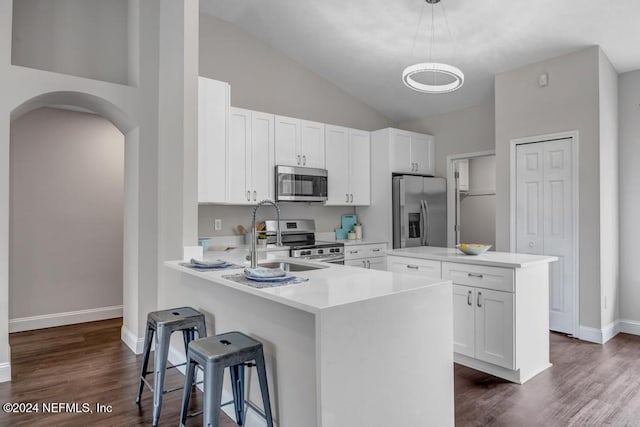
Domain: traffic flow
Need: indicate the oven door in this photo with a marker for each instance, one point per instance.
(294, 184)
(331, 259)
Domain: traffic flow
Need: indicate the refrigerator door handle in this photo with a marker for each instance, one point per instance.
(423, 229)
(425, 219)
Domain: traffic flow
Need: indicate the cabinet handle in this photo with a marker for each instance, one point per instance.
(479, 295)
(417, 167)
(255, 195)
(298, 158)
(353, 252)
(248, 196)
(351, 198)
(414, 267)
(347, 197)
(304, 160)
(375, 250)
(369, 264)
(479, 276)
(364, 264)
(469, 298)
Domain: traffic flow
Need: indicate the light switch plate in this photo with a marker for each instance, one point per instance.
(543, 80)
(217, 224)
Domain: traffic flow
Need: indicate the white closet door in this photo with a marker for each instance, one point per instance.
(544, 220)
(529, 199)
(558, 233)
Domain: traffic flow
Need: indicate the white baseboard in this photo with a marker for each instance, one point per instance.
(610, 331)
(629, 326)
(5, 372)
(590, 334)
(130, 339)
(61, 319)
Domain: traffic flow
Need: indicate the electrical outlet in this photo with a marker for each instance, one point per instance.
(543, 79)
(217, 224)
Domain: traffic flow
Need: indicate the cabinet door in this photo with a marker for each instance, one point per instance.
(262, 156)
(238, 156)
(356, 263)
(337, 160)
(401, 151)
(312, 144)
(494, 327)
(287, 136)
(422, 154)
(359, 170)
(377, 263)
(213, 120)
(464, 320)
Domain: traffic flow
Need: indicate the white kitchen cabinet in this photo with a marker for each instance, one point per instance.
(213, 119)
(348, 166)
(414, 266)
(299, 142)
(500, 307)
(412, 152)
(249, 156)
(370, 256)
(483, 322)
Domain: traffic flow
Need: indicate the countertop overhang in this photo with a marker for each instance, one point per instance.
(492, 259)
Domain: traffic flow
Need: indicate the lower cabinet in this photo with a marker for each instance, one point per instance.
(500, 314)
(371, 256)
(483, 324)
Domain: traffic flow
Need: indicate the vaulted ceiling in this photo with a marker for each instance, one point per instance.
(362, 46)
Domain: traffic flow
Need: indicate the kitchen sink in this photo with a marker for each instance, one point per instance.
(290, 266)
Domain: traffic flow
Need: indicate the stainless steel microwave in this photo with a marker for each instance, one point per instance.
(296, 184)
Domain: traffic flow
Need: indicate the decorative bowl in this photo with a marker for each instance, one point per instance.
(473, 248)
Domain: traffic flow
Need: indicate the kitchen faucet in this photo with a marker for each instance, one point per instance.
(254, 256)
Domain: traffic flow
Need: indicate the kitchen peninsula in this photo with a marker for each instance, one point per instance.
(348, 347)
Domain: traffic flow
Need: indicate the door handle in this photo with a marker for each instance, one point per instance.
(369, 264)
(364, 264)
(298, 158)
(351, 198)
(413, 267)
(347, 197)
(304, 160)
(469, 298)
(255, 195)
(479, 303)
(248, 196)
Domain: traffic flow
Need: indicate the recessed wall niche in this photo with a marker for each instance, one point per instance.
(84, 38)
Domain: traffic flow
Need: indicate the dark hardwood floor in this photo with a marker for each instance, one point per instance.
(589, 384)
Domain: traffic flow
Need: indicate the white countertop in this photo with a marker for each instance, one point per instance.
(328, 287)
(493, 259)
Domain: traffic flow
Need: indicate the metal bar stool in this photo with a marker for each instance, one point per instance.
(232, 350)
(164, 323)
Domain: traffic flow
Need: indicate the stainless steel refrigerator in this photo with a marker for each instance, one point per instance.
(419, 211)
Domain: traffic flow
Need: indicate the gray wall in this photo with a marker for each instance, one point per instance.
(86, 38)
(629, 107)
(465, 131)
(609, 188)
(67, 172)
(569, 102)
(264, 79)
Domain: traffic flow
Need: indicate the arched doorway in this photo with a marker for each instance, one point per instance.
(136, 279)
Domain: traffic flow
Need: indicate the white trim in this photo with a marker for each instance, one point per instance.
(135, 344)
(590, 334)
(61, 319)
(610, 331)
(5, 372)
(574, 136)
(451, 189)
(629, 326)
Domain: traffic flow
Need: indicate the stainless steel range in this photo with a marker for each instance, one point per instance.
(299, 235)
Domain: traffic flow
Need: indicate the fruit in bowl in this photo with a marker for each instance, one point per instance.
(473, 248)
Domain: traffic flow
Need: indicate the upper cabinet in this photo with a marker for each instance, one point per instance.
(213, 119)
(250, 156)
(411, 152)
(348, 166)
(299, 142)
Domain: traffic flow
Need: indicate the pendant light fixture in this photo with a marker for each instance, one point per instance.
(433, 69)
